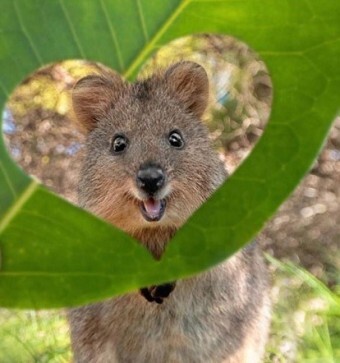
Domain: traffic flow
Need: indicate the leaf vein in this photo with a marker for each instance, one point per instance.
(52, 222)
(8, 180)
(142, 20)
(322, 72)
(26, 34)
(317, 46)
(113, 34)
(71, 27)
(16, 207)
(60, 274)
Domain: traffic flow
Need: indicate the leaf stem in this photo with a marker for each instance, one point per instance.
(15, 208)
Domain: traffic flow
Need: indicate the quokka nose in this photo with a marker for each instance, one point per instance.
(150, 178)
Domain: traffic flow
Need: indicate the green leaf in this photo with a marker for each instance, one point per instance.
(54, 254)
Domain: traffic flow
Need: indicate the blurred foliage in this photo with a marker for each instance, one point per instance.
(48, 87)
(306, 319)
(34, 337)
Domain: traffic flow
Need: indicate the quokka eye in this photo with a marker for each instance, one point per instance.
(176, 139)
(119, 144)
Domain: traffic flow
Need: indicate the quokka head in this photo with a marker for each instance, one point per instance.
(149, 161)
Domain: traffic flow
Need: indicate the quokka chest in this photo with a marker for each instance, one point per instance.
(190, 326)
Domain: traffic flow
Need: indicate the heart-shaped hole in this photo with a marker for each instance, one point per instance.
(42, 138)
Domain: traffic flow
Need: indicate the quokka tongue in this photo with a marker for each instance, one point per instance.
(152, 207)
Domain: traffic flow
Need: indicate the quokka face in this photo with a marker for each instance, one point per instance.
(149, 161)
(149, 164)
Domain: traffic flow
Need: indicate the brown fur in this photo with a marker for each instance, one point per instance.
(218, 316)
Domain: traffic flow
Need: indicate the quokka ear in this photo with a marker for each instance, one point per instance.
(93, 96)
(188, 82)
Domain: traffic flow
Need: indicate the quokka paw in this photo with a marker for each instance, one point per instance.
(158, 293)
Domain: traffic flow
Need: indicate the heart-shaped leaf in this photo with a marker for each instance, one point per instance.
(54, 254)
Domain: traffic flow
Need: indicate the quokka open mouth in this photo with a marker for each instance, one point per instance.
(152, 209)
